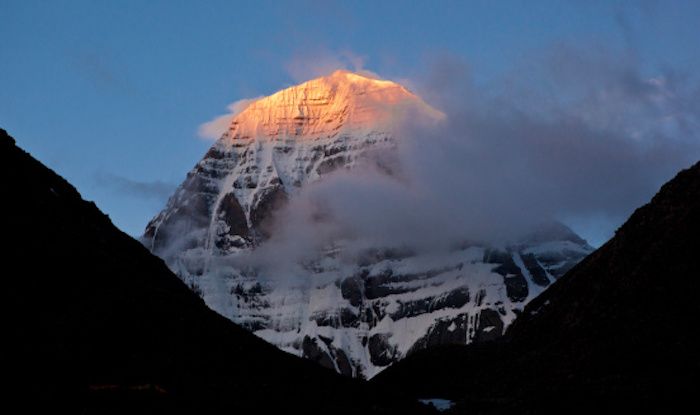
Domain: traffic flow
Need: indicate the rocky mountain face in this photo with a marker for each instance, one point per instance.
(355, 318)
(617, 333)
(97, 324)
(276, 145)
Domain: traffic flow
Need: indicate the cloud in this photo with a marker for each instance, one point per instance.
(154, 190)
(578, 135)
(104, 72)
(633, 17)
(574, 132)
(213, 129)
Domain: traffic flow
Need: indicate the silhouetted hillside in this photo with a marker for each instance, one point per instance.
(98, 324)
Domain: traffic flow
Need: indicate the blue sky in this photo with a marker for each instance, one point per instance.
(111, 94)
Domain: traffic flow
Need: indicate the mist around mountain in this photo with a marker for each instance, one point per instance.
(617, 333)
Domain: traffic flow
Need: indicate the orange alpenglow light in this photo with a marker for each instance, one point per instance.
(320, 108)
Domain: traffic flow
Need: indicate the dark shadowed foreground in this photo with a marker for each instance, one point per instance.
(618, 332)
(97, 324)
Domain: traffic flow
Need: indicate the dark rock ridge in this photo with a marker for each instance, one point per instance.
(616, 334)
(97, 324)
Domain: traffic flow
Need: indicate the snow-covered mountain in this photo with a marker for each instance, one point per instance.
(360, 317)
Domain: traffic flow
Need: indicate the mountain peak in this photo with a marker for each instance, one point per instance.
(325, 106)
(348, 314)
(364, 79)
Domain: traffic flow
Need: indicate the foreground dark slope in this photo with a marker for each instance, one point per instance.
(99, 323)
(619, 331)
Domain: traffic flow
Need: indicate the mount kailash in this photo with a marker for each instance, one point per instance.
(355, 318)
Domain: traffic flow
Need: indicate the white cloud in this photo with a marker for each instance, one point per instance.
(213, 129)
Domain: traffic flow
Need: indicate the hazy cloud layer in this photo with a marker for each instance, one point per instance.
(155, 190)
(575, 134)
(213, 129)
(104, 72)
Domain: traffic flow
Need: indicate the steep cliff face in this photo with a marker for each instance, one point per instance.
(359, 317)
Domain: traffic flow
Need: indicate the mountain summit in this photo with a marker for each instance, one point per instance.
(356, 318)
(326, 107)
(275, 145)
